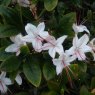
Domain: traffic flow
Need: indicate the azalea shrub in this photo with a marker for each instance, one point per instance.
(47, 47)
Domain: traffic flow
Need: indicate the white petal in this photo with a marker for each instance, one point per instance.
(12, 48)
(83, 40)
(44, 34)
(59, 49)
(61, 39)
(75, 40)
(2, 75)
(24, 3)
(59, 65)
(41, 27)
(27, 38)
(7, 81)
(71, 51)
(52, 52)
(86, 48)
(70, 59)
(18, 79)
(30, 29)
(12, 38)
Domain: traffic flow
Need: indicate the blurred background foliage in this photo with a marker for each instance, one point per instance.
(38, 72)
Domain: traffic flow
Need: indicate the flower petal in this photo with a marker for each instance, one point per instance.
(30, 29)
(61, 39)
(18, 79)
(52, 52)
(46, 46)
(41, 27)
(71, 51)
(3, 88)
(59, 66)
(7, 81)
(83, 40)
(86, 48)
(12, 48)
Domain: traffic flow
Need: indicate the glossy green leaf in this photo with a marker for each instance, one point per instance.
(50, 4)
(10, 64)
(84, 91)
(49, 71)
(5, 2)
(65, 24)
(4, 55)
(32, 72)
(8, 30)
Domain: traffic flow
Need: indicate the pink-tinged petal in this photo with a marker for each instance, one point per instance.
(7, 81)
(27, 38)
(61, 39)
(12, 48)
(59, 66)
(18, 79)
(30, 29)
(41, 27)
(81, 55)
(52, 52)
(59, 49)
(3, 88)
(37, 45)
(17, 53)
(71, 51)
(83, 40)
(46, 46)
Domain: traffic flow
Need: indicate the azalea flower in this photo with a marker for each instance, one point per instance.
(24, 3)
(79, 47)
(80, 28)
(62, 62)
(18, 79)
(36, 35)
(17, 43)
(4, 82)
(92, 45)
(54, 45)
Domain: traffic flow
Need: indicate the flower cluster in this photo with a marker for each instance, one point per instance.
(41, 40)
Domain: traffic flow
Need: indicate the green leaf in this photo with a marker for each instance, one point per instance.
(32, 72)
(82, 66)
(50, 4)
(84, 91)
(5, 2)
(4, 55)
(22, 93)
(10, 64)
(8, 30)
(49, 71)
(65, 24)
(93, 83)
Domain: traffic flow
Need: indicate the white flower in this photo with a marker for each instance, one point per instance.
(35, 35)
(79, 47)
(18, 79)
(62, 62)
(4, 82)
(15, 47)
(24, 3)
(92, 45)
(54, 45)
(80, 28)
